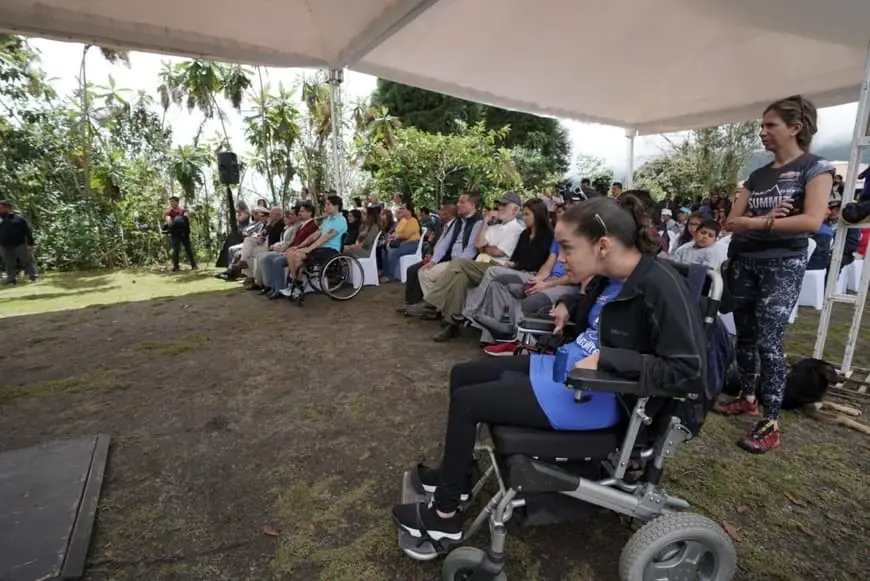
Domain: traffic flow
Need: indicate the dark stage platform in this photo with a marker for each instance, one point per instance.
(48, 502)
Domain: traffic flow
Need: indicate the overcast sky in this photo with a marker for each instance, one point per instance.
(61, 62)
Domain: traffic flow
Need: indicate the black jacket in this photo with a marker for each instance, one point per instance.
(651, 332)
(274, 232)
(15, 231)
(580, 304)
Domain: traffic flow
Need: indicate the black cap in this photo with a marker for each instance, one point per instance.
(574, 194)
(6, 203)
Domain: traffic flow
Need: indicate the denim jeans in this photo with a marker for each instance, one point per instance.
(273, 265)
(391, 266)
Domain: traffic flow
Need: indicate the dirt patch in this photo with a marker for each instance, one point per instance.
(230, 413)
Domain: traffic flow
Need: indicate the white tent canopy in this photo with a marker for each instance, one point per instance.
(650, 65)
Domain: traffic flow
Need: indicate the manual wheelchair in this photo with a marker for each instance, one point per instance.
(546, 477)
(340, 278)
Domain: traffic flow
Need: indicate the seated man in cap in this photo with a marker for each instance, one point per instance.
(495, 245)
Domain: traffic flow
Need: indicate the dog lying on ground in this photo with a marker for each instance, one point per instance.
(806, 387)
(806, 383)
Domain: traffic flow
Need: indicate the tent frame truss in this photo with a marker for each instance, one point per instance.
(860, 144)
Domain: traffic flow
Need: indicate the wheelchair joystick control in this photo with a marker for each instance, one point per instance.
(506, 315)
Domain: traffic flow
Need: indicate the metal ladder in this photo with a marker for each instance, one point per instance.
(860, 144)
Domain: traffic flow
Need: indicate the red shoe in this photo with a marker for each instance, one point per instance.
(501, 349)
(737, 407)
(763, 438)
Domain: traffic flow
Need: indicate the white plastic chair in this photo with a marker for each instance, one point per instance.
(853, 280)
(406, 262)
(813, 286)
(370, 265)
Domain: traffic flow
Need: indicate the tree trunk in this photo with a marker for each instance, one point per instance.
(267, 140)
(86, 122)
(207, 221)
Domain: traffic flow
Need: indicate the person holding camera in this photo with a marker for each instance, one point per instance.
(178, 226)
(16, 244)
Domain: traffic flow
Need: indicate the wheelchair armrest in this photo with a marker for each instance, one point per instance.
(539, 324)
(597, 380)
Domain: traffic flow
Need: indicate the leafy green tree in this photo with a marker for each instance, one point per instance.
(374, 133)
(705, 161)
(436, 113)
(426, 110)
(430, 168)
(113, 56)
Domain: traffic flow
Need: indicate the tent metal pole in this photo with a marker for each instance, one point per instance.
(336, 76)
(860, 144)
(631, 134)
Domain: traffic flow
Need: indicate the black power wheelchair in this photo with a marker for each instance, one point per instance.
(546, 477)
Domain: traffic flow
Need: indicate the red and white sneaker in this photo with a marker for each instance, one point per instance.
(763, 438)
(737, 407)
(501, 349)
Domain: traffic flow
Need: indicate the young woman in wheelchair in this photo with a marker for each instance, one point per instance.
(638, 322)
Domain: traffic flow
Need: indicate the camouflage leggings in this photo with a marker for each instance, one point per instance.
(765, 291)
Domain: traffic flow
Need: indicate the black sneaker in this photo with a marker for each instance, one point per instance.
(9, 282)
(421, 520)
(425, 480)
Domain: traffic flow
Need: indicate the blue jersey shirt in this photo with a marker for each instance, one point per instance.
(602, 410)
(559, 267)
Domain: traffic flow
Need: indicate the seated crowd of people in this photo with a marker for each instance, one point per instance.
(274, 239)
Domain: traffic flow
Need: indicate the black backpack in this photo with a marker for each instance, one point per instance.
(180, 225)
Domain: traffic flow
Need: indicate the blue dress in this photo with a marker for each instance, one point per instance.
(603, 409)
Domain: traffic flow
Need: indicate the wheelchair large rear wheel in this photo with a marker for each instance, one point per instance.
(341, 278)
(679, 547)
(461, 563)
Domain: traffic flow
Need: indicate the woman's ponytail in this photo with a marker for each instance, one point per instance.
(638, 203)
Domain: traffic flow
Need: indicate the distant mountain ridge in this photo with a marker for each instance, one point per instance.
(834, 151)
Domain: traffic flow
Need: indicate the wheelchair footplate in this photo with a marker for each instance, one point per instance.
(421, 549)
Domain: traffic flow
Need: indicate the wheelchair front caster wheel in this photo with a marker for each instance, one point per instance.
(678, 547)
(460, 564)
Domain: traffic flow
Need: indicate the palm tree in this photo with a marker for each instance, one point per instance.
(316, 130)
(273, 130)
(113, 56)
(187, 164)
(112, 95)
(374, 132)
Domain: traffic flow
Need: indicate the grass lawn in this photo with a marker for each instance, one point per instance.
(229, 413)
(59, 292)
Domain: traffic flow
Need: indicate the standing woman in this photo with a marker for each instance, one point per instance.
(768, 257)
